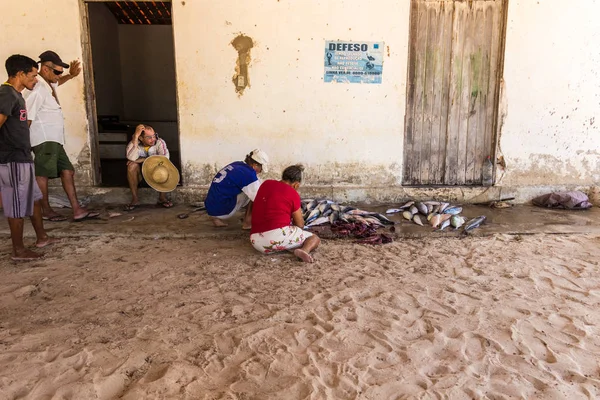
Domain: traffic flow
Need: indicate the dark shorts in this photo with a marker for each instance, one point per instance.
(19, 189)
(50, 160)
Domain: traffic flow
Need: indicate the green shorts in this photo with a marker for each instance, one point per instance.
(50, 160)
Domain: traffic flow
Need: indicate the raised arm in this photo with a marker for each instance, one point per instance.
(74, 70)
(133, 153)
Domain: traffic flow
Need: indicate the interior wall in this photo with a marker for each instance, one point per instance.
(148, 72)
(107, 60)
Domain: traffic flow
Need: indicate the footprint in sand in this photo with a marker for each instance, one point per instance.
(111, 387)
(155, 373)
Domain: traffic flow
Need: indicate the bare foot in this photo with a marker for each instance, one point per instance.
(46, 242)
(218, 222)
(26, 255)
(246, 227)
(304, 256)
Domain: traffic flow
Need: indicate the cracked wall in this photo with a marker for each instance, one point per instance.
(345, 134)
(550, 134)
(53, 25)
(349, 136)
(242, 45)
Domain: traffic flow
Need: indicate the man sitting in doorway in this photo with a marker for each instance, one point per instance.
(277, 221)
(234, 187)
(144, 143)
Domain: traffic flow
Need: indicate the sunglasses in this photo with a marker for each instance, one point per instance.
(56, 72)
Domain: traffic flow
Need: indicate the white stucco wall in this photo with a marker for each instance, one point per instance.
(344, 133)
(30, 28)
(551, 133)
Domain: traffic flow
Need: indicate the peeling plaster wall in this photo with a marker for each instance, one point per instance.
(348, 134)
(551, 133)
(33, 26)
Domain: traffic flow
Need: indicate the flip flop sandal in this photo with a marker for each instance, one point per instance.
(26, 258)
(55, 218)
(89, 215)
(130, 207)
(165, 204)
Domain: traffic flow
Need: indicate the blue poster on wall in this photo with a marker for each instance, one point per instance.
(353, 62)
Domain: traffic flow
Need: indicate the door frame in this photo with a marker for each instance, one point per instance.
(90, 88)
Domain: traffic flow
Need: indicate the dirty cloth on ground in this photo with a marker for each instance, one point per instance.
(574, 200)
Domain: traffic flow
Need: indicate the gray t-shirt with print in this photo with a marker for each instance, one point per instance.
(15, 145)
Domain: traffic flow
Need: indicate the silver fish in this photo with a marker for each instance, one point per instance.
(358, 218)
(417, 220)
(372, 221)
(344, 217)
(311, 205)
(453, 210)
(326, 213)
(407, 215)
(422, 208)
(318, 221)
(435, 220)
(474, 223)
(314, 214)
(407, 204)
(382, 218)
(443, 206)
(445, 224)
(413, 210)
(334, 216)
(432, 203)
(358, 212)
(393, 210)
(336, 207)
(324, 206)
(445, 217)
(457, 221)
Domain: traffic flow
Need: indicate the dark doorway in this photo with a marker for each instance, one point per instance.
(133, 60)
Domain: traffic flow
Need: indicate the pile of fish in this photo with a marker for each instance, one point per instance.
(319, 212)
(346, 221)
(440, 215)
(361, 224)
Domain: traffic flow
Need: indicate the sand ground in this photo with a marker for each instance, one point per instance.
(496, 317)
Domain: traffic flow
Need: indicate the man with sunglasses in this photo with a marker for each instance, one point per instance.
(144, 143)
(47, 128)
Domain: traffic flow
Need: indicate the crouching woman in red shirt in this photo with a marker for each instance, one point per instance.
(277, 220)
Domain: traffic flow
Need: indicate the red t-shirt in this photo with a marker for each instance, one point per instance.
(273, 206)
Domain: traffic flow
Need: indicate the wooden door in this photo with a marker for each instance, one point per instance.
(455, 66)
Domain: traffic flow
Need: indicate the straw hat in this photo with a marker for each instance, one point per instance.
(160, 173)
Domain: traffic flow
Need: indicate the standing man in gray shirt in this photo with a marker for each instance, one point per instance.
(20, 193)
